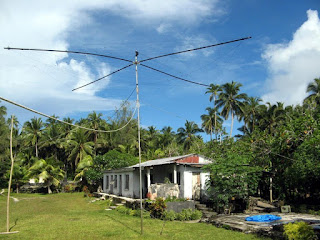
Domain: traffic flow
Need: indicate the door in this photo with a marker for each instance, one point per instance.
(120, 185)
(196, 186)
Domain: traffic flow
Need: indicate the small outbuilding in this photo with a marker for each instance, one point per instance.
(185, 172)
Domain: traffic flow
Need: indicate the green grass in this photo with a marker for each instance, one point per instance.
(71, 216)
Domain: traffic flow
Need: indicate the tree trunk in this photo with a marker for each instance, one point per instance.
(215, 117)
(37, 149)
(17, 186)
(271, 200)
(49, 190)
(231, 123)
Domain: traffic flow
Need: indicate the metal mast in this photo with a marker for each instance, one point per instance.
(139, 140)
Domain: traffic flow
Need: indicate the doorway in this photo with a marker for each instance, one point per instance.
(196, 186)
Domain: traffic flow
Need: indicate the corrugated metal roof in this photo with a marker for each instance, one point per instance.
(162, 161)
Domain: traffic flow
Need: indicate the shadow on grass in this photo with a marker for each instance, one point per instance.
(15, 224)
(123, 224)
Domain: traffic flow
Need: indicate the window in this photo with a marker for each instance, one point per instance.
(115, 185)
(178, 178)
(127, 182)
(107, 182)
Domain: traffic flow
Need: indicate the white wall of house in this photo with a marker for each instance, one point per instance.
(187, 180)
(159, 174)
(120, 189)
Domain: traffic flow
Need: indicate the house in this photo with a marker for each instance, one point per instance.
(185, 171)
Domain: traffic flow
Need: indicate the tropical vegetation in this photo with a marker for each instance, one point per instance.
(274, 154)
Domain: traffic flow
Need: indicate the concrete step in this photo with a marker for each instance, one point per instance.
(119, 204)
(113, 207)
(207, 214)
(259, 209)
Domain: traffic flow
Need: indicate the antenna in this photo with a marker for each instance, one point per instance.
(136, 63)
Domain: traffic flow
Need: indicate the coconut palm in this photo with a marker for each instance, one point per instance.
(51, 140)
(166, 137)
(83, 166)
(43, 170)
(33, 131)
(314, 89)
(95, 122)
(214, 89)
(251, 108)
(79, 146)
(211, 122)
(187, 135)
(272, 116)
(231, 101)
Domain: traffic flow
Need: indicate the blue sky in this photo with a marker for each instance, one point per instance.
(279, 61)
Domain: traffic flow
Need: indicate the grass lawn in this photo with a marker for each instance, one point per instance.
(71, 216)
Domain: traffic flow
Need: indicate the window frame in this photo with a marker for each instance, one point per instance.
(127, 182)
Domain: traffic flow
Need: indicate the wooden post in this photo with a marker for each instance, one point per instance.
(271, 200)
(10, 180)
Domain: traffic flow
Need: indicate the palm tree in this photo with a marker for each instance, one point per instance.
(214, 89)
(231, 101)
(95, 122)
(251, 108)
(187, 135)
(33, 130)
(79, 145)
(211, 122)
(272, 116)
(43, 170)
(314, 89)
(83, 166)
(52, 140)
(166, 137)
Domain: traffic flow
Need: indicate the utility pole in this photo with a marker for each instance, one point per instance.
(139, 139)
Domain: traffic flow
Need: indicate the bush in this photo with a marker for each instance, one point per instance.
(124, 210)
(69, 188)
(131, 212)
(196, 214)
(157, 208)
(299, 231)
(169, 215)
(184, 215)
(86, 191)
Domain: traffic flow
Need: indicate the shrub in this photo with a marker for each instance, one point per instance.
(69, 188)
(86, 191)
(299, 231)
(157, 208)
(123, 209)
(134, 213)
(169, 215)
(188, 214)
(184, 215)
(196, 214)
(131, 212)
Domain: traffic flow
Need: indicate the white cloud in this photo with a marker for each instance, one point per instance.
(294, 64)
(191, 42)
(163, 28)
(44, 80)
